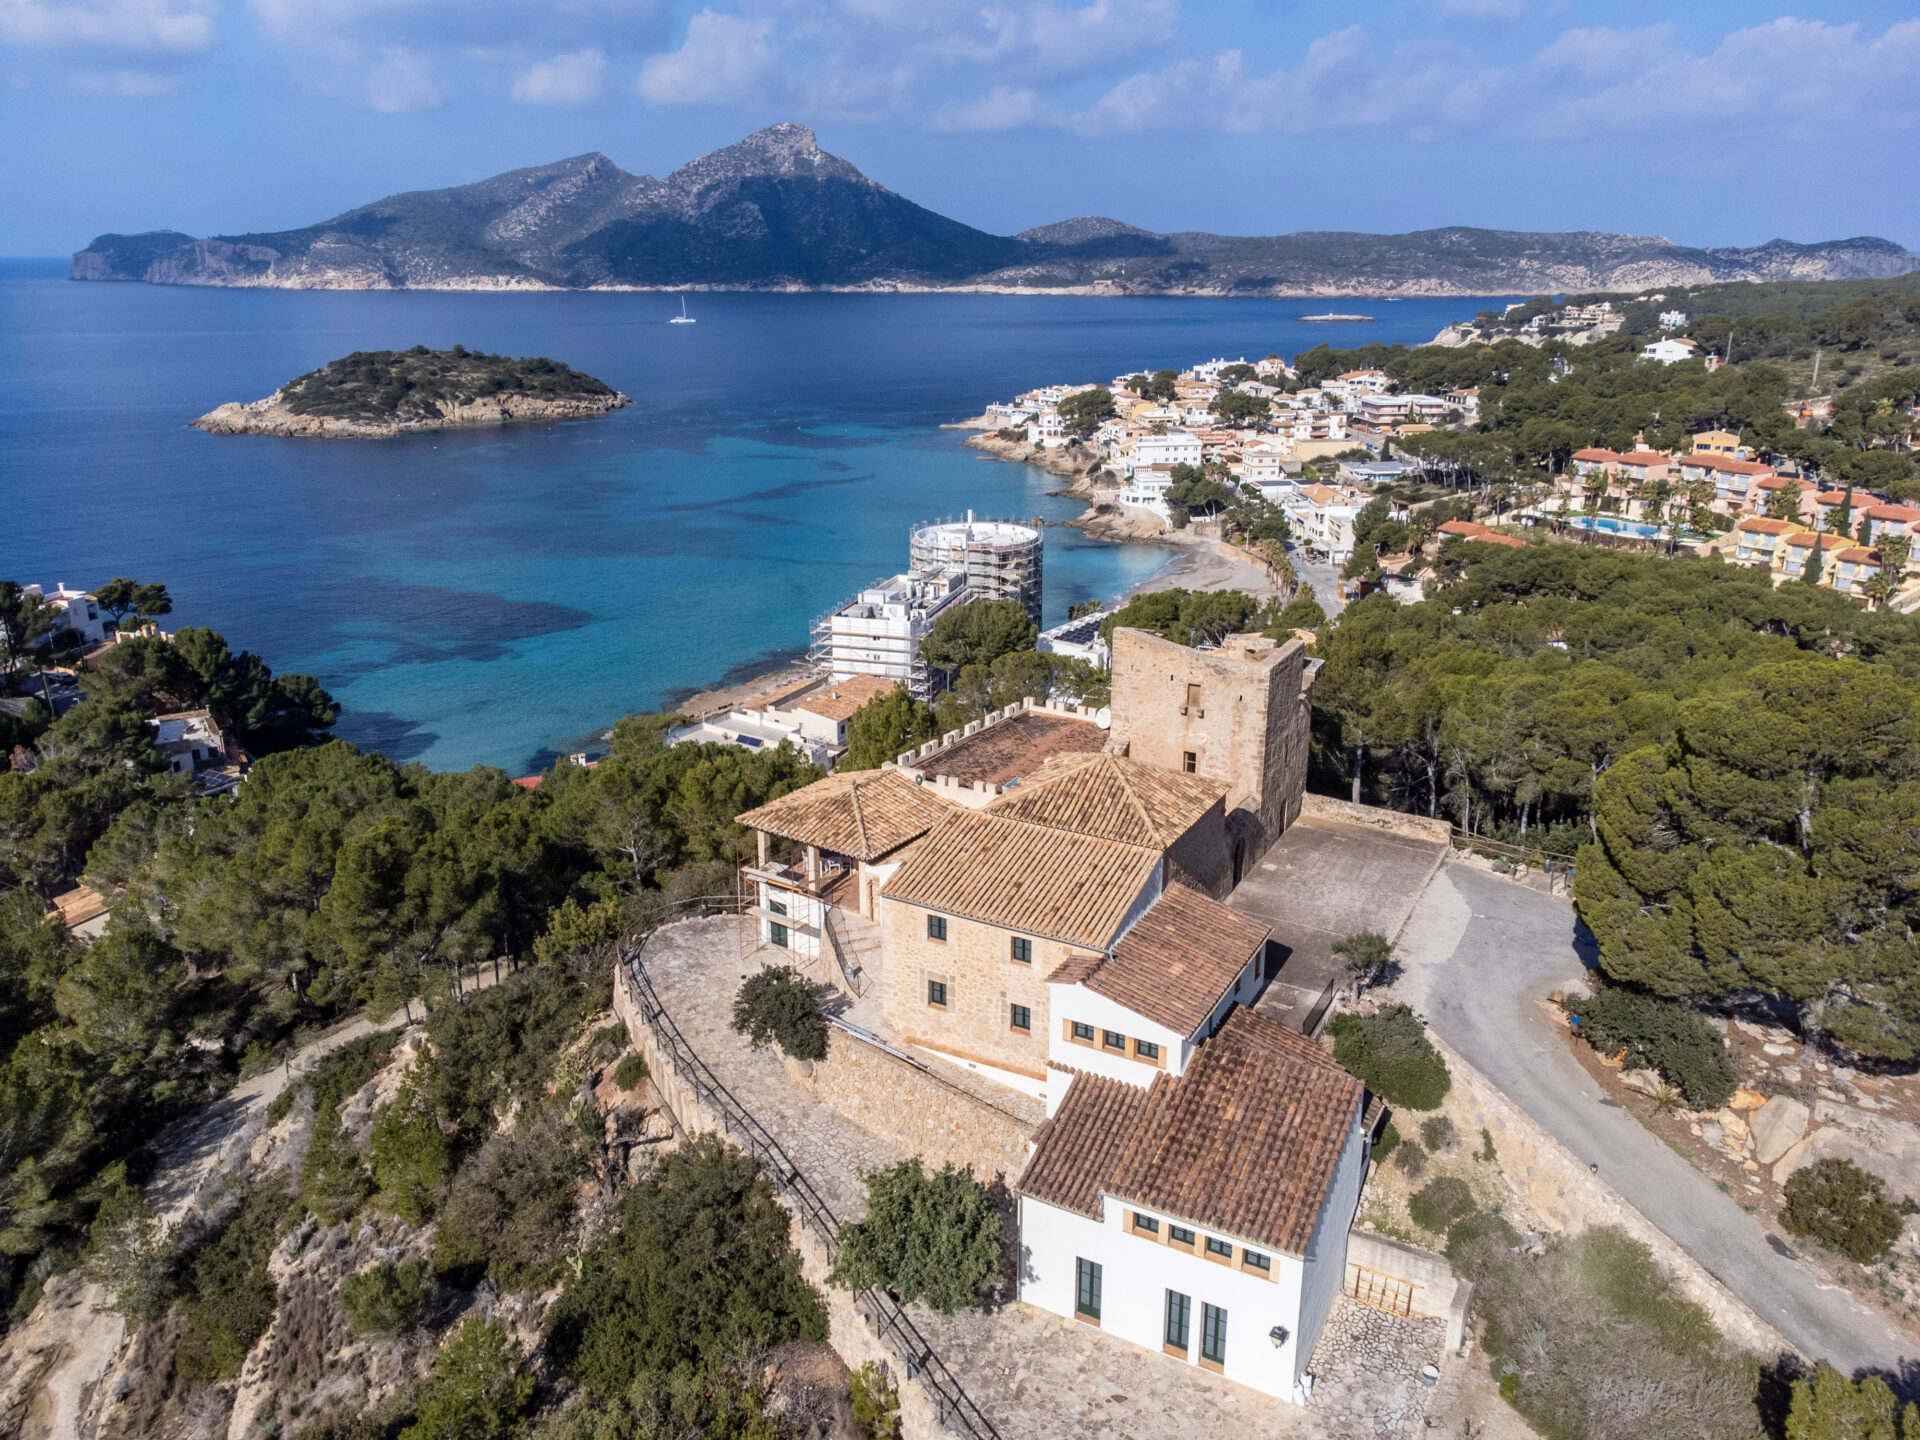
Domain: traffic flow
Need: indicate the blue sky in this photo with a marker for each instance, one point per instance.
(1712, 123)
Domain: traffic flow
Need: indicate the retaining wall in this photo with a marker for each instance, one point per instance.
(927, 1115)
(852, 1335)
(1394, 822)
(1440, 1294)
(1571, 1198)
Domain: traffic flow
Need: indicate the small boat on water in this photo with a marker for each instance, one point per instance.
(683, 318)
(1329, 318)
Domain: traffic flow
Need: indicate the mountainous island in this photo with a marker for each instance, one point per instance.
(376, 394)
(776, 212)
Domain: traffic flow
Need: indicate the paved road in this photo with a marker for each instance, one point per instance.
(1325, 579)
(1482, 953)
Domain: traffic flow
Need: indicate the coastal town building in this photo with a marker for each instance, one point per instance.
(811, 716)
(1669, 352)
(1322, 517)
(1000, 560)
(879, 631)
(1474, 530)
(1077, 639)
(74, 610)
(1204, 1214)
(192, 743)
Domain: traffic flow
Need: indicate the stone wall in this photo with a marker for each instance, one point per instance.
(984, 982)
(1571, 1198)
(927, 1115)
(854, 1338)
(1439, 1293)
(1394, 822)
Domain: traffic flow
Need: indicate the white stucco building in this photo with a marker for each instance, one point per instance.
(1203, 1214)
(879, 631)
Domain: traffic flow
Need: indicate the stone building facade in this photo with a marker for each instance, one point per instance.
(1239, 715)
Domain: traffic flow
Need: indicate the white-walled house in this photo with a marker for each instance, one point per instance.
(1176, 447)
(1146, 1007)
(76, 610)
(1206, 1215)
(1668, 352)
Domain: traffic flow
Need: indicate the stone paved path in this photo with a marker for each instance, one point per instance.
(1036, 1375)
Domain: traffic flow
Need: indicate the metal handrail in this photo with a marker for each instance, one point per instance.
(847, 972)
(951, 1402)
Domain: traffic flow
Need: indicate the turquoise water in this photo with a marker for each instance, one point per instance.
(496, 596)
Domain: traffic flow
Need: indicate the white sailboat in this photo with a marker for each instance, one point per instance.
(682, 318)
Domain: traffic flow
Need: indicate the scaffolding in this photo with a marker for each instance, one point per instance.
(1002, 559)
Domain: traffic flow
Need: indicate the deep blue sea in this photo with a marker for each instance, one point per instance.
(497, 596)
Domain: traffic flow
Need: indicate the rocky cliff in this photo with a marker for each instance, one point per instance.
(777, 212)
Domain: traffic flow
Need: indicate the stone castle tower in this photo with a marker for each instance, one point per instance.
(1239, 714)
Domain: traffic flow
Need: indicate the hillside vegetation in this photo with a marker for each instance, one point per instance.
(420, 384)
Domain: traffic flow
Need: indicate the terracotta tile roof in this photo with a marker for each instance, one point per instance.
(1016, 747)
(1763, 526)
(838, 699)
(864, 814)
(1646, 457)
(1075, 968)
(1068, 887)
(1858, 553)
(1246, 1142)
(78, 904)
(1726, 464)
(1893, 512)
(1112, 797)
(1076, 1149)
(1176, 963)
(1804, 541)
(1597, 455)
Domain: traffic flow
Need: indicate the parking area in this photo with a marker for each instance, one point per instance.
(1322, 881)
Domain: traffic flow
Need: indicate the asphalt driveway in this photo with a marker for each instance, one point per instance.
(1482, 955)
(1321, 882)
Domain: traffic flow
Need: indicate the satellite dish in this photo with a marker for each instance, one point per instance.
(1103, 717)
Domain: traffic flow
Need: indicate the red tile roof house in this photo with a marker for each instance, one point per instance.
(1757, 540)
(1761, 492)
(1852, 570)
(1473, 530)
(1204, 1214)
(1732, 479)
(1791, 555)
(1893, 520)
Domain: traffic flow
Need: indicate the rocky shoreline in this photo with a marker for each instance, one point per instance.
(271, 416)
(1105, 518)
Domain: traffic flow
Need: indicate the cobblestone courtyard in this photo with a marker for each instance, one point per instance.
(1037, 1376)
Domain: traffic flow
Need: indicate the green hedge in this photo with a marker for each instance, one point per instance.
(1389, 1051)
(1659, 1035)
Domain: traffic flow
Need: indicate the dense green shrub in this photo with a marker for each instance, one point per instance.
(698, 1272)
(1439, 1203)
(1482, 1227)
(629, 1072)
(409, 1153)
(607, 1042)
(1593, 1343)
(1411, 1158)
(1659, 1035)
(229, 1298)
(1390, 1052)
(1843, 1207)
(935, 1238)
(510, 1211)
(1437, 1132)
(386, 1298)
(478, 1390)
(1388, 1142)
(502, 1044)
(1829, 1406)
(777, 1005)
(875, 1403)
(334, 1181)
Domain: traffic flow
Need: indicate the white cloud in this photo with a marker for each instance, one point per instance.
(1002, 108)
(407, 54)
(167, 27)
(564, 80)
(401, 80)
(1482, 9)
(722, 59)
